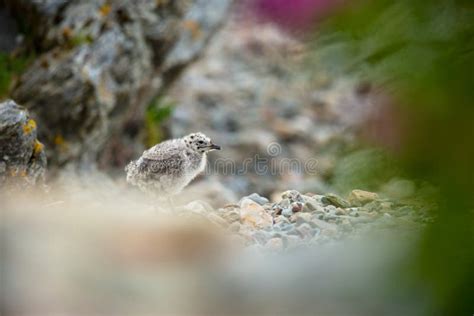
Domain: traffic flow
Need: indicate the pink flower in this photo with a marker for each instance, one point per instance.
(294, 14)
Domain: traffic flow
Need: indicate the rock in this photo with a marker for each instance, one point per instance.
(296, 207)
(216, 219)
(275, 244)
(306, 231)
(287, 212)
(254, 215)
(324, 225)
(312, 205)
(301, 218)
(354, 212)
(261, 237)
(198, 207)
(333, 199)
(231, 216)
(100, 64)
(360, 197)
(293, 241)
(258, 199)
(281, 219)
(293, 196)
(22, 156)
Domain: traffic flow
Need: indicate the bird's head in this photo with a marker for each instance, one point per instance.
(200, 143)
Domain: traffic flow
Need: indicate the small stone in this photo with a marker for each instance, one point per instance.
(258, 199)
(311, 205)
(293, 196)
(324, 226)
(285, 203)
(254, 215)
(361, 197)
(341, 211)
(286, 227)
(287, 212)
(199, 207)
(333, 199)
(260, 237)
(216, 219)
(275, 244)
(354, 213)
(231, 217)
(296, 207)
(281, 219)
(306, 231)
(301, 218)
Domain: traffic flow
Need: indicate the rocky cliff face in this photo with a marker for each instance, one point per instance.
(101, 63)
(22, 159)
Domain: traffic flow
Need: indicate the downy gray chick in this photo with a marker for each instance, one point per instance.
(166, 168)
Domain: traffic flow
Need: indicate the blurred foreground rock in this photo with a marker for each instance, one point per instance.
(22, 158)
(100, 64)
(104, 249)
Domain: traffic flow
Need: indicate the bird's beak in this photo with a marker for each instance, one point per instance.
(216, 147)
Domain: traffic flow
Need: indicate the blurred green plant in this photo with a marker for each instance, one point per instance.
(158, 111)
(421, 55)
(10, 67)
(365, 169)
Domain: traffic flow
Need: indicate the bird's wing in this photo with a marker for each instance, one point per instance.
(158, 160)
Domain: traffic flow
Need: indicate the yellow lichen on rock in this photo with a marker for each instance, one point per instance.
(37, 148)
(193, 27)
(105, 9)
(29, 126)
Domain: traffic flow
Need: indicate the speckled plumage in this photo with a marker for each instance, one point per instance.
(166, 168)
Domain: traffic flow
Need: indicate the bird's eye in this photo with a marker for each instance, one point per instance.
(201, 142)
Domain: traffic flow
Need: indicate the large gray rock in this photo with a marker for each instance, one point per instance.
(102, 64)
(22, 158)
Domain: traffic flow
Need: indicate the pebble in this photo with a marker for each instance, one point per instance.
(302, 220)
(311, 205)
(275, 244)
(231, 217)
(254, 215)
(258, 199)
(306, 231)
(333, 199)
(361, 197)
(287, 212)
(216, 219)
(293, 196)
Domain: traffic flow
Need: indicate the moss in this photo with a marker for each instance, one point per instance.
(80, 39)
(11, 67)
(158, 111)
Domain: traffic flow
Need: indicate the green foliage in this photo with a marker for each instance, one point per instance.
(422, 54)
(365, 169)
(9, 68)
(158, 111)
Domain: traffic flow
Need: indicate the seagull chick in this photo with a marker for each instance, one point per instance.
(166, 168)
